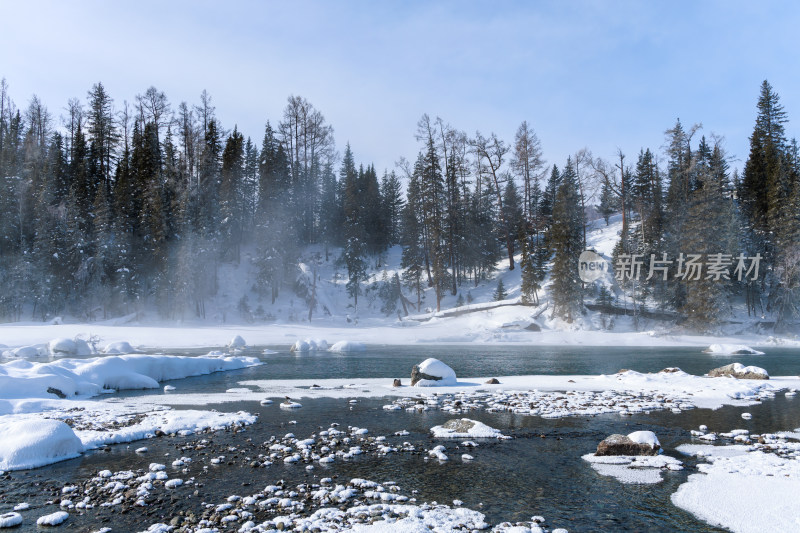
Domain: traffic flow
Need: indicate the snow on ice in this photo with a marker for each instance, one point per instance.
(89, 377)
(731, 349)
(745, 488)
(347, 346)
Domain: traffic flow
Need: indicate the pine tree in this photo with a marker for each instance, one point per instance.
(706, 298)
(608, 204)
(566, 237)
(549, 197)
(393, 203)
(412, 239)
(231, 196)
(530, 285)
(500, 292)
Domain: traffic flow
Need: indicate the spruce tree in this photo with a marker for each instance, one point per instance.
(500, 292)
(566, 237)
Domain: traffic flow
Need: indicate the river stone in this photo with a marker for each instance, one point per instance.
(737, 370)
(416, 376)
(459, 425)
(622, 445)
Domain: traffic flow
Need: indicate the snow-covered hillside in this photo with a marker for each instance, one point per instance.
(472, 315)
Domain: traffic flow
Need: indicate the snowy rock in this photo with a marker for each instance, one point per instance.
(633, 469)
(237, 342)
(54, 519)
(637, 443)
(62, 346)
(10, 520)
(119, 347)
(300, 347)
(432, 372)
(347, 346)
(464, 427)
(33, 443)
(739, 371)
(289, 404)
(731, 349)
(645, 437)
(27, 351)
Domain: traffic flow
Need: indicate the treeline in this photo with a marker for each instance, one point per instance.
(707, 239)
(116, 208)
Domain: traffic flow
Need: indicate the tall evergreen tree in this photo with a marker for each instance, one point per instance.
(566, 237)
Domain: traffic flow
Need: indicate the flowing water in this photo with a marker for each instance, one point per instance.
(538, 472)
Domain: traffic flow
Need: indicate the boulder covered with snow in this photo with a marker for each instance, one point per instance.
(460, 428)
(24, 352)
(237, 343)
(119, 347)
(636, 443)
(432, 372)
(33, 443)
(731, 349)
(65, 346)
(347, 346)
(301, 347)
(10, 519)
(739, 371)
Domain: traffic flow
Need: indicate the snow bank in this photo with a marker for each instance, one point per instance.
(434, 367)
(64, 346)
(731, 349)
(88, 377)
(24, 352)
(309, 345)
(32, 443)
(119, 347)
(347, 346)
(744, 492)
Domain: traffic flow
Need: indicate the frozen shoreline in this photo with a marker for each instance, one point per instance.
(499, 326)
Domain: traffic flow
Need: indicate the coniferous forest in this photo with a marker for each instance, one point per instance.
(115, 208)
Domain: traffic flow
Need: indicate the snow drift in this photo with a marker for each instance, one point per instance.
(88, 377)
(33, 443)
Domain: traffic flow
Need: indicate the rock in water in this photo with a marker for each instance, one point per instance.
(432, 372)
(739, 371)
(622, 445)
(416, 376)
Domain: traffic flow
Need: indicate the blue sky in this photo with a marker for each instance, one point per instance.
(601, 75)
